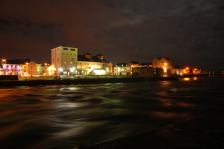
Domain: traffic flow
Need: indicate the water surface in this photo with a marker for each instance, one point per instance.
(73, 115)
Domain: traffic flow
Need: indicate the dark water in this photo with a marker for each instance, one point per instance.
(186, 112)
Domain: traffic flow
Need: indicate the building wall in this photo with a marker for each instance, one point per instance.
(85, 67)
(64, 58)
(143, 71)
(164, 64)
(122, 70)
(161, 63)
(32, 68)
(11, 69)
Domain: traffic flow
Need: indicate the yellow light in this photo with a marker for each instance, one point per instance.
(195, 78)
(186, 79)
(165, 70)
(72, 69)
(187, 68)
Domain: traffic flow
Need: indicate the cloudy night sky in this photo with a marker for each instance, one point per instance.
(187, 31)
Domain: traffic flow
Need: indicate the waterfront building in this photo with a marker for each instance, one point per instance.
(187, 70)
(164, 64)
(122, 69)
(94, 68)
(3, 61)
(64, 60)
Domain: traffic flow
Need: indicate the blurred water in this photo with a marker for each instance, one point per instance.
(69, 116)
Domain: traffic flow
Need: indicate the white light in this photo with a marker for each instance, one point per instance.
(99, 72)
(72, 69)
(60, 69)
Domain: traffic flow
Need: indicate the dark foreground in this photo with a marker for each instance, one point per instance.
(158, 114)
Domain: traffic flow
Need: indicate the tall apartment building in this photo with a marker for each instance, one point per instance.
(64, 59)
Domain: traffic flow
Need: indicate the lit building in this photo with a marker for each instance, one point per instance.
(64, 60)
(88, 68)
(163, 63)
(3, 61)
(122, 69)
(187, 70)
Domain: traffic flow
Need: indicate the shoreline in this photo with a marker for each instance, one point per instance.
(13, 83)
(96, 80)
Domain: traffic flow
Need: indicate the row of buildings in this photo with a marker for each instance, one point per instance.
(67, 62)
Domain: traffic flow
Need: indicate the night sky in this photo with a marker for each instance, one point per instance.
(187, 31)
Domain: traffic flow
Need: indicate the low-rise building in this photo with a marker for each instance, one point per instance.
(87, 68)
(164, 64)
(122, 69)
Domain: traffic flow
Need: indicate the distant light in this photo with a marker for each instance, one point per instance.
(187, 68)
(72, 69)
(195, 78)
(100, 72)
(60, 69)
(9, 67)
(186, 79)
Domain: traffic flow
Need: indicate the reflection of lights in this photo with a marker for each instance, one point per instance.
(184, 104)
(186, 79)
(195, 78)
(165, 83)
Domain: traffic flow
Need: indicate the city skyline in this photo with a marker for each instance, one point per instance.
(188, 32)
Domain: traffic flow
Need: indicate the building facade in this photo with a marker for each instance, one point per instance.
(64, 60)
(122, 69)
(163, 66)
(88, 68)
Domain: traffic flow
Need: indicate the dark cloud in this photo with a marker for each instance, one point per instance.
(188, 31)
